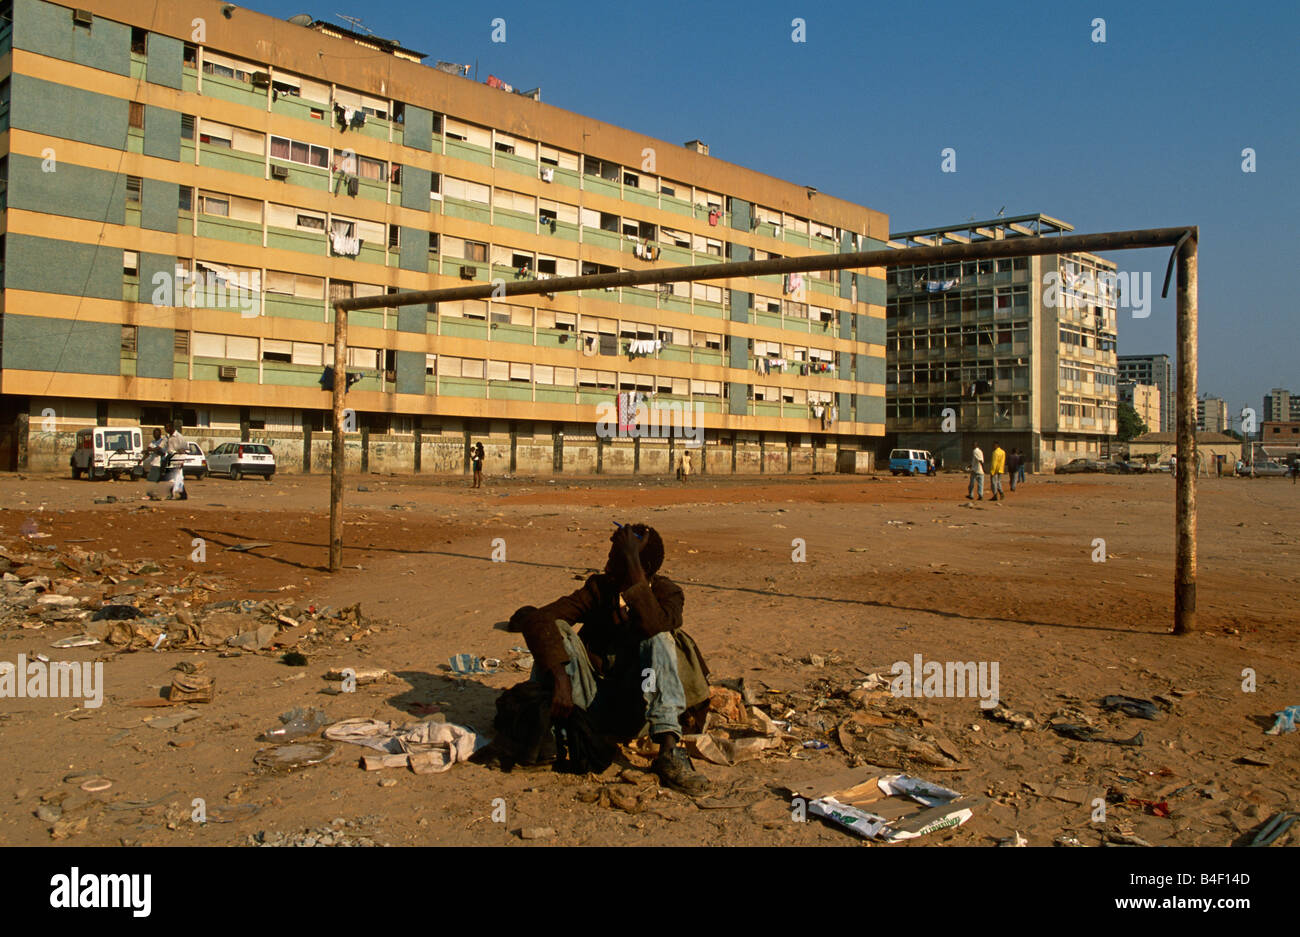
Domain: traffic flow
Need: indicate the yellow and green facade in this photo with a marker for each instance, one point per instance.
(184, 195)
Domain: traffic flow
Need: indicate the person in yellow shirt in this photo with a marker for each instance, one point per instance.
(998, 466)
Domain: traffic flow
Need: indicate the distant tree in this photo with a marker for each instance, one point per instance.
(1234, 434)
(1130, 424)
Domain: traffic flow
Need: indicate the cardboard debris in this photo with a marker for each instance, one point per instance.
(889, 809)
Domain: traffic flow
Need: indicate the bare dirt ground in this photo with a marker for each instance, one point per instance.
(894, 568)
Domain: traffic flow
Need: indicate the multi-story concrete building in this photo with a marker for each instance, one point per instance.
(1020, 351)
(190, 184)
(1212, 414)
(1157, 370)
(1145, 400)
(1281, 406)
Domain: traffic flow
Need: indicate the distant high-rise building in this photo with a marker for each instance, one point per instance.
(1157, 370)
(1145, 400)
(1018, 351)
(1280, 405)
(1211, 414)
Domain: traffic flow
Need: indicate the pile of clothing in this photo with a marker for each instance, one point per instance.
(793, 283)
(768, 365)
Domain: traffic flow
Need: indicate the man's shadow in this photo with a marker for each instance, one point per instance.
(461, 699)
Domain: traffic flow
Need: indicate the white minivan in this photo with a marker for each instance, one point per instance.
(108, 452)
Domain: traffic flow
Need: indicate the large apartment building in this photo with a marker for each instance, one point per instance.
(1281, 405)
(1020, 351)
(189, 185)
(1158, 371)
(1212, 414)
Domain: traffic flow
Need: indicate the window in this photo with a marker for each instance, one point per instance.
(394, 237)
(190, 57)
(135, 117)
(210, 204)
(368, 168)
(475, 251)
(130, 264)
(133, 184)
(187, 126)
(295, 152)
(139, 40)
(277, 350)
(129, 338)
(186, 198)
(180, 346)
(311, 222)
(433, 243)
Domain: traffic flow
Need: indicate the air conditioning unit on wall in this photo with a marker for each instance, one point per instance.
(279, 172)
(227, 372)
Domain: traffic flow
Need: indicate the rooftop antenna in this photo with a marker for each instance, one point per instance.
(1002, 211)
(355, 23)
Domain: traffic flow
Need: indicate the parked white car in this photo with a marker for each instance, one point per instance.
(238, 459)
(192, 461)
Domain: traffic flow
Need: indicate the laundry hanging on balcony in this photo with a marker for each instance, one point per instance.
(345, 245)
(644, 346)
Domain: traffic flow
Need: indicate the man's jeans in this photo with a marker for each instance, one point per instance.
(1021, 472)
(1012, 475)
(661, 687)
(976, 482)
(995, 485)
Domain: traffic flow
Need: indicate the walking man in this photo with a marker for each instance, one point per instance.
(476, 457)
(976, 483)
(175, 447)
(995, 471)
(1013, 463)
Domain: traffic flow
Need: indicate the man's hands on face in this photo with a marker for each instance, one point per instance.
(625, 558)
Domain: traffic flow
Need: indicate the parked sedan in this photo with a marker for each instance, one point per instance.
(1264, 469)
(238, 459)
(192, 461)
(1080, 465)
(1130, 467)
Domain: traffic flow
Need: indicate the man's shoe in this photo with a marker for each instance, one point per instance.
(676, 771)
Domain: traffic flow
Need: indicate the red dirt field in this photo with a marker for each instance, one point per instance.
(894, 568)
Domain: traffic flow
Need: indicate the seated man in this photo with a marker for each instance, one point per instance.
(631, 669)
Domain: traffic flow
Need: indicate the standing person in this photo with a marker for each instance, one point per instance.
(932, 469)
(686, 465)
(476, 458)
(153, 455)
(1013, 464)
(995, 473)
(1295, 470)
(976, 475)
(175, 447)
(1173, 466)
(1020, 465)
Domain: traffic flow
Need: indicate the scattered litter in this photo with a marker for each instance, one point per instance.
(362, 675)
(1285, 721)
(470, 664)
(171, 721)
(115, 613)
(1016, 840)
(427, 747)
(96, 785)
(245, 547)
(295, 755)
(1274, 828)
(883, 808)
(1121, 838)
(191, 688)
(1090, 734)
(1000, 713)
(77, 640)
(1067, 839)
(293, 659)
(297, 723)
(536, 832)
(1131, 706)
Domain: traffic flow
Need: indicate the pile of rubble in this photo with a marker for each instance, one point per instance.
(144, 604)
(340, 832)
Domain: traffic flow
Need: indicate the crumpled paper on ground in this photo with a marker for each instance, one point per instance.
(718, 749)
(431, 747)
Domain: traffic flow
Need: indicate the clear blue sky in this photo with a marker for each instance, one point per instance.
(1145, 130)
